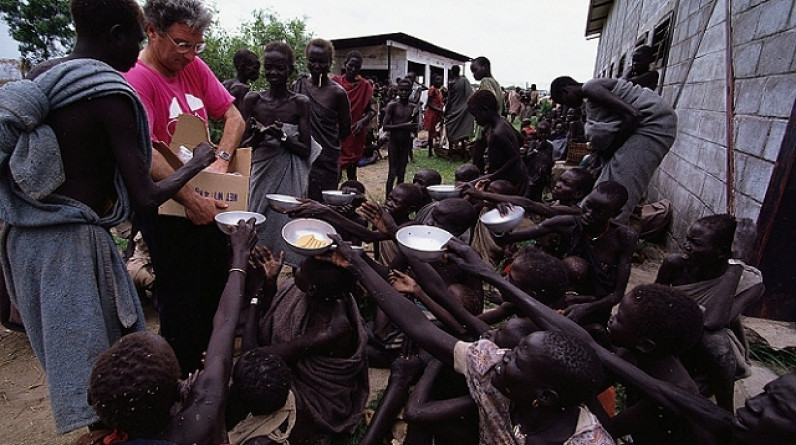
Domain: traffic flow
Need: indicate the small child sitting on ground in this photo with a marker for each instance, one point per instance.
(715, 277)
(652, 324)
(134, 386)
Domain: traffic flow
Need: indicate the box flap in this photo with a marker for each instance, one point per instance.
(190, 132)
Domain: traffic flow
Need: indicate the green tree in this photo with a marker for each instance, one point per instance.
(254, 34)
(43, 28)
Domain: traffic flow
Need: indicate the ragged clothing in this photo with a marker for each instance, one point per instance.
(333, 390)
(64, 273)
(634, 162)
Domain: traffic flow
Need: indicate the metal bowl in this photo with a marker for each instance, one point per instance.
(282, 203)
(422, 242)
(337, 197)
(299, 227)
(497, 223)
(226, 219)
(440, 192)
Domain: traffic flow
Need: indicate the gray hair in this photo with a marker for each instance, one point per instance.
(164, 13)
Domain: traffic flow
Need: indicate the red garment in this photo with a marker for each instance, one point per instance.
(359, 93)
(432, 117)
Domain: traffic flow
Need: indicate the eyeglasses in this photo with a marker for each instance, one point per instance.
(184, 47)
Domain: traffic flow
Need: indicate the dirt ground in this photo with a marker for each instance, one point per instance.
(25, 416)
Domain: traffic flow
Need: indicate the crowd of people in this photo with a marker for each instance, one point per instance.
(538, 366)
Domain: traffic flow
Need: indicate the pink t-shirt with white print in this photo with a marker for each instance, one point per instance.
(194, 90)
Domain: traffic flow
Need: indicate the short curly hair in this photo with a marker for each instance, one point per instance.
(93, 18)
(242, 56)
(321, 43)
(571, 367)
(261, 381)
(558, 85)
(164, 13)
(667, 317)
(544, 276)
(284, 48)
(134, 384)
(483, 99)
(723, 230)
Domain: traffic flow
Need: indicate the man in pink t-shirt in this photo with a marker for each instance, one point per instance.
(189, 256)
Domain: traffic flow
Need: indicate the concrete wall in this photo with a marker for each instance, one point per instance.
(693, 175)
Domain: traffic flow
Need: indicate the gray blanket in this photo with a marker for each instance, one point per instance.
(63, 270)
(332, 390)
(458, 121)
(277, 170)
(634, 162)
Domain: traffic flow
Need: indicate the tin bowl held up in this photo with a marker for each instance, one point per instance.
(308, 236)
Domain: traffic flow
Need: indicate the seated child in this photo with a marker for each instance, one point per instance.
(134, 386)
(531, 394)
(652, 324)
(538, 160)
(260, 391)
(313, 324)
(724, 288)
(466, 173)
(571, 187)
(605, 246)
(424, 178)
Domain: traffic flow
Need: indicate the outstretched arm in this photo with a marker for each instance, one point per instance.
(677, 400)
(420, 407)
(209, 394)
(402, 312)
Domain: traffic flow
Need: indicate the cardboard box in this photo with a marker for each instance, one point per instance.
(232, 188)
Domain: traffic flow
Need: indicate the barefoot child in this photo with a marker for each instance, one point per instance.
(399, 121)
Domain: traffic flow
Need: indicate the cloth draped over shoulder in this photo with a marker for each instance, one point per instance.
(277, 170)
(323, 122)
(332, 390)
(360, 93)
(63, 270)
(268, 425)
(458, 121)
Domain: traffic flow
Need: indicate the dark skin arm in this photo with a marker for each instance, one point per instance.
(208, 398)
(557, 224)
(599, 90)
(400, 310)
(265, 268)
(364, 122)
(678, 401)
(529, 205)
(430, 281)
(405, 284)
(420, 407)
(627, 243)
(314, 209)
(503, 140)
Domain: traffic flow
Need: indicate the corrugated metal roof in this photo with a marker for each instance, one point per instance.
(406, 39)
(598, 14)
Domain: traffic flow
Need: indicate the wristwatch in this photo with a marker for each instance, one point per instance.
(223, 155)
(284, 137)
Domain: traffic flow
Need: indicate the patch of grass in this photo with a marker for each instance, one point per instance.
(445, 168)
(781, 361)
